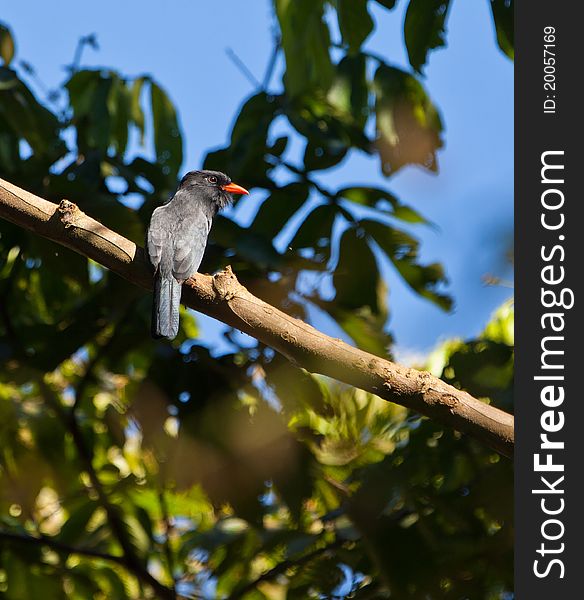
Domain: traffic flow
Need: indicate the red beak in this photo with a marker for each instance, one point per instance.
(234, 188)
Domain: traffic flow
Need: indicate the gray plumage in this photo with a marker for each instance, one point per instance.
(176, 241)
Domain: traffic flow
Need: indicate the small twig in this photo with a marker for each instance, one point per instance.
(60, 547)
(86, 40)
(242, 67)
(51, 95)
(272, 62)
(282, 567)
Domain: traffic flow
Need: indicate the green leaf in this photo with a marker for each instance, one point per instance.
(355, 23)
(110, 581)
(408, 124)
(137, 535)
(278, 147)
(25, 118)
(368, 196)
(317, 156)
(256, 113)
(315, 232)
(375, 197)
(74, 528)
(389, 4)
(81, 87)
(136, 112)
(408, 214)
(349, 92)
(305, 41)
(167, 134)
(102, 109)
(245, 158)
(501, 328)
(424, 29)
(356, 277)
(188, 326)
(6, 45)
(25, 582)
(503, 16)
(318, 224)
(296, 389)
(277, 209)
(366, 329)
(402, 250)
(252, 248)
(330, 134)
(150, 171)
(118, 104)
(89, 91)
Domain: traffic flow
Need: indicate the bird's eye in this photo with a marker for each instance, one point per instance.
(212, 179)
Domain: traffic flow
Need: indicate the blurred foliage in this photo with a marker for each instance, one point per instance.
(125, 461)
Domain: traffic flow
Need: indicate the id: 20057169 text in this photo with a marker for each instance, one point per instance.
(549, 69)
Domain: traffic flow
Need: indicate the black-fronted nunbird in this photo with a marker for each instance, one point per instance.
(177, 237)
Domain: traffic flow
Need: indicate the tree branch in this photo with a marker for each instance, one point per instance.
(224, 298)
(58, 546)
(20, 538)
(282, 567)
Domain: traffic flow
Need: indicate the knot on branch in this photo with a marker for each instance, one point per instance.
(69, 213)
(226, 284)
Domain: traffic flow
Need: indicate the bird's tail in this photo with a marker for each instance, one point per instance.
(165, 309)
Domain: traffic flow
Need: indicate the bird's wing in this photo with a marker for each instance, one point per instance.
(158, 236)
(190, 240)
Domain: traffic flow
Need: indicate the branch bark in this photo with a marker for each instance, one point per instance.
(222, 296)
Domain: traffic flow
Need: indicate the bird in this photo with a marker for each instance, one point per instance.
(177, 238)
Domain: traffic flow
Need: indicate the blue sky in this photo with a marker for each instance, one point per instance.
(183, 43)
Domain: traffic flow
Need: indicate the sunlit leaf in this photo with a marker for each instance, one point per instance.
(6, 45)
(408, 124)
(349, 92)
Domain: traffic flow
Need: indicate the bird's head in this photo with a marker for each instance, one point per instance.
(213, 186)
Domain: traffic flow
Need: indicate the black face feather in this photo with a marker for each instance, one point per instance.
(210, 184)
